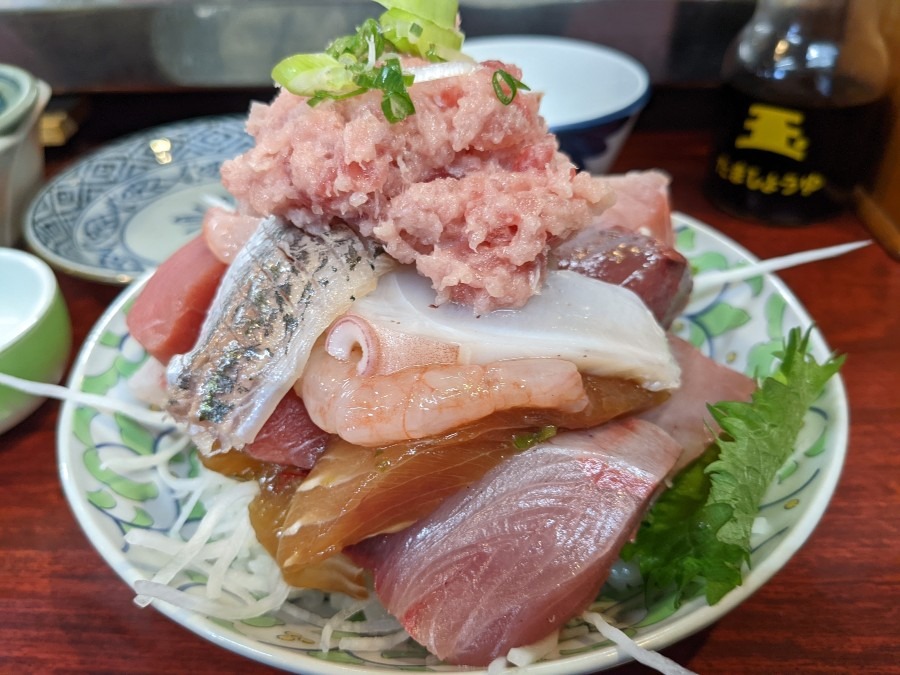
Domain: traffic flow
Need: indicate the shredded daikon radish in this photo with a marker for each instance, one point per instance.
(184, 485)
(649, 658)
(337, 620)
(186, 509)
(378, 631)
(525, 656)
(572, 632)
(439, 71)
(138, 462)
(236, 498)
(226, 518)
(207, 607)
(242, 580)
(497, 666)
(375, 643)
(150, 418)
(383, 626)
(237, 541)
(155, 548)
(294, 611)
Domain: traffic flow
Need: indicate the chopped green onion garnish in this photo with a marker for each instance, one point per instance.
(414, 35)
(528, 440)
(349, 65)
(441, 13)
(513, 85)
(304, 74)
(322, 95)
(358, 45)
(389, 78)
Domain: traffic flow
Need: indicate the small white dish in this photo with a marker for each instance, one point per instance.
(21, 167)
(592, 94)
(18, 93)
(742, 325)
(35, 332)
(125, 208)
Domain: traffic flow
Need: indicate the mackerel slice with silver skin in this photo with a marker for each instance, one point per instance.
(283, 289)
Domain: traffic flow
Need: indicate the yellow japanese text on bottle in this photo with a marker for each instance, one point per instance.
(803, 107)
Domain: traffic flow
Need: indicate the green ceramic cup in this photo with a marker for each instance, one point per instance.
(35, 331)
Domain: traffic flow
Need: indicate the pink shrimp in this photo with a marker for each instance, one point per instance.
(422, 401)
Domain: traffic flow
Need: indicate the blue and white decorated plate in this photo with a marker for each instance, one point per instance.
(125, 208)
(741, 324)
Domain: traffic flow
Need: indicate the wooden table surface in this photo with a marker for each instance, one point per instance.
(835, 607)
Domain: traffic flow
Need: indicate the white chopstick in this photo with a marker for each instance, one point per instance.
(709, 280)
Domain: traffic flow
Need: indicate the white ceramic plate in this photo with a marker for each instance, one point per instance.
(125, 208)
(742, 326)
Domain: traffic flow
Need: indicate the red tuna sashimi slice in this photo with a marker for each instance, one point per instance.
(642, 205)
(167, 314)
(289, 436)
(507, 561)
(685, 415)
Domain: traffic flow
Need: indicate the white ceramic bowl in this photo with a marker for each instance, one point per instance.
(35, 331)
(21, 167)
(592, 94)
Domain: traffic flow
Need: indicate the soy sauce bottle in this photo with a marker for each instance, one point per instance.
(804, 108)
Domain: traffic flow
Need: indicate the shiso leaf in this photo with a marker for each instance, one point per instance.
(696, 537)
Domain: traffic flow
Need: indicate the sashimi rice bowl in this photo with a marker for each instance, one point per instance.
(427, 396)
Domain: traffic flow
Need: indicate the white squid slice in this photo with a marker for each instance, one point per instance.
(383, 350)
(602, 328)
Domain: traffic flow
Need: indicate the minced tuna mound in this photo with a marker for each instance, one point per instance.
(472, 191)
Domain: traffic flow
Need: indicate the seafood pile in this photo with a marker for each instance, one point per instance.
(441, 350)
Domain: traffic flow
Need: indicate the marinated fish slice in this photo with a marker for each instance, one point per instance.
(657, 273)
(356, 492)
(551, 520)
(282, 290)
